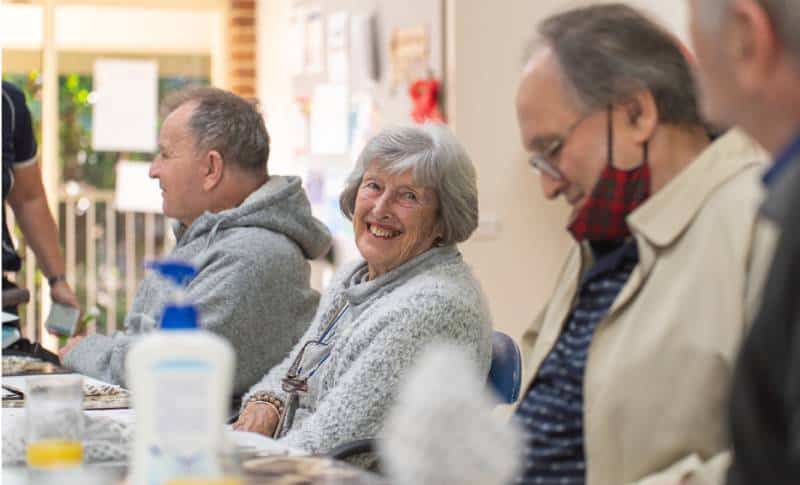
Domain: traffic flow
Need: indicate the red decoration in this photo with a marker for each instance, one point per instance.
(425, 98)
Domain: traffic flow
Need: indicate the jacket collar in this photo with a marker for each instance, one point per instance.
(659, 222)
(656, 224)
(669, 211)
(358, 289)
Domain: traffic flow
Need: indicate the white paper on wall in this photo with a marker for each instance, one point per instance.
(314, 41)
(338, 63)
(362, 50)
(136, 191)
(297, 125)
(329, 120)
(125, 105)
(366, 123)
(296, 44)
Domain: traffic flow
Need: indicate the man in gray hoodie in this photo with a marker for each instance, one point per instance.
(249, 234)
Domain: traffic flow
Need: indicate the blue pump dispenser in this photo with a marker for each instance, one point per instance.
(179, 313)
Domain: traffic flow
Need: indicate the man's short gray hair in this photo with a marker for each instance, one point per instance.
(227, 123)
(784, 15)
(436, 160)
(607, 53)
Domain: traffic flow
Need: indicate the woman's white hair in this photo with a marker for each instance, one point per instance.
(436, 160)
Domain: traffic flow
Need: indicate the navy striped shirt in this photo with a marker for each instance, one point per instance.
(552, 412)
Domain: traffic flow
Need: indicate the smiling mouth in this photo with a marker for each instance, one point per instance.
(382, 233)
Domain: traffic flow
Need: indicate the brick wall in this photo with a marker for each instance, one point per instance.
(242, 55)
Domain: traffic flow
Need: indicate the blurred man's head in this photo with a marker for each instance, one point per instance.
(213, 151)
(748, 53)
(603, 86)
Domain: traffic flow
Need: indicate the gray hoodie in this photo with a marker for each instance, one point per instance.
(252, 285)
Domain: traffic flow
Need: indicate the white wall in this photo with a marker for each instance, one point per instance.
(274, 88)
(522, 242)
(120, 29)
(519, 264)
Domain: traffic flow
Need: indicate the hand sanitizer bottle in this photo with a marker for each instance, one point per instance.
(181, 381)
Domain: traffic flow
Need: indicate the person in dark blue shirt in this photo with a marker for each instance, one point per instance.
(24, 192)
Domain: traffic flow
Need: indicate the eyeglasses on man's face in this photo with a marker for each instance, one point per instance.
(546, 160)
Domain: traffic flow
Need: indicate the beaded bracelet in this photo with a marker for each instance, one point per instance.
(269, 405)
(269, 399)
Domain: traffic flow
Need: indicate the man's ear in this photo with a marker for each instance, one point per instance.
(214, 168)
(753, 45)
(642, 115)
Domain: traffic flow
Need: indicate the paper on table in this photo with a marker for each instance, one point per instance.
(7, 394)
(97, 394)
(20, 381)
(259, 443)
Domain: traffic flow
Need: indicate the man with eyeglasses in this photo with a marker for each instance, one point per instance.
(626, 369)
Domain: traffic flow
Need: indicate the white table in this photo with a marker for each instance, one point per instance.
(13, 420)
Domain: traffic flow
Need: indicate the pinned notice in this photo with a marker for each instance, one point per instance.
(125, 105)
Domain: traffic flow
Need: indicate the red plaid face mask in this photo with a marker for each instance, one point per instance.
(616, 194)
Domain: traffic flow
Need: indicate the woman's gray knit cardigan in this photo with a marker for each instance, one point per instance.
(388, 323)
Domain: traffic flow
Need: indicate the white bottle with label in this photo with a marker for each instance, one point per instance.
(181, 381)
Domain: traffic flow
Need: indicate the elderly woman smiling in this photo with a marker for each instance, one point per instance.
(411, 197)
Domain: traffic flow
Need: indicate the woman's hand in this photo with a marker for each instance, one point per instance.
(258, 417)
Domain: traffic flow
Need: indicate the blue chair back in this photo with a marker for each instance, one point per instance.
(505, 374)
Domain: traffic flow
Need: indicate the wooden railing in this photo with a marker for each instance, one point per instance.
(104, 251)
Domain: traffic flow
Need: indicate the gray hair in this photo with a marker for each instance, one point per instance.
(436, 160)
(227, 123)
(784, 14)
(607, 53)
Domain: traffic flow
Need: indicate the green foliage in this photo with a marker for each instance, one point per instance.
(78, 160)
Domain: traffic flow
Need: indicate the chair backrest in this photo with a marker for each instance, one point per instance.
(505, 374)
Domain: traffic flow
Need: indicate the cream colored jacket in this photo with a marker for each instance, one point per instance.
(660, 361)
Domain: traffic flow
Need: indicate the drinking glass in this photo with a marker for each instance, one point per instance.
(54, 421)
